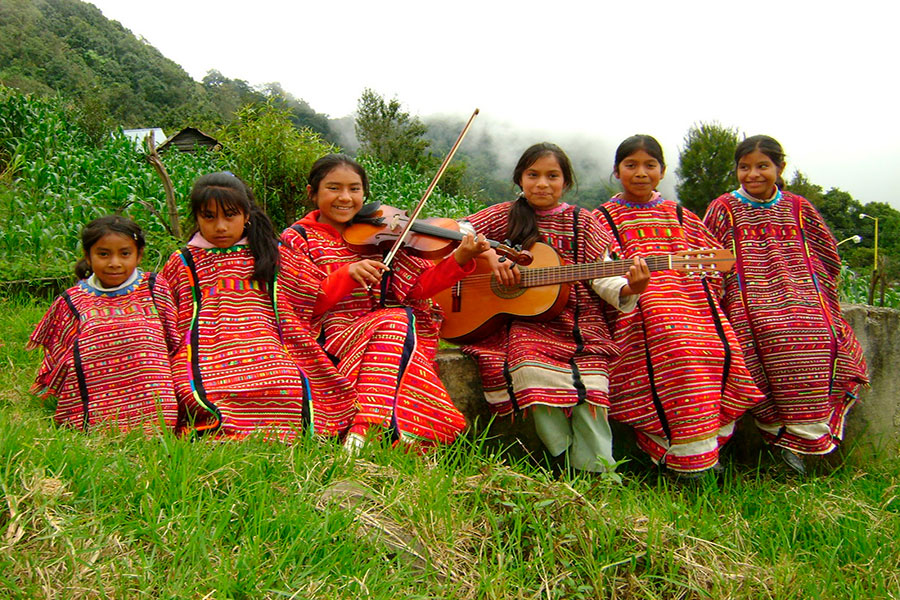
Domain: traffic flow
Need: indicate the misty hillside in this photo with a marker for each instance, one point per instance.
(69, 47)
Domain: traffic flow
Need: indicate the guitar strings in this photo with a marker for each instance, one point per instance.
(554, 275)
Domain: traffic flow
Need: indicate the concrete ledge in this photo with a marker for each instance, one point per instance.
(872, 426)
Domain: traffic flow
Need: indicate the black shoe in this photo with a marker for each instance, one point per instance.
(694, 478)
(794, 461)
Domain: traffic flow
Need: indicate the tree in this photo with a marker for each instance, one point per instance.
(388, 133)
(802, 186)
(265, 149)
(393, 137)
(302, 114)
(706, 165)
(841, 211)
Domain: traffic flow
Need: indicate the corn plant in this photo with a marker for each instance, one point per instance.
(854, 288)
(401, 186)
(53, 180)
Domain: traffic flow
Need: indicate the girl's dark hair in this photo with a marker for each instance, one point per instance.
(229, 191)
(98, 228)
(522, 226)
(647, 143)
(325, 165)
(768, 146)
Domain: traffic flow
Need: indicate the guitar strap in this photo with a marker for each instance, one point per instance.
(654, 393)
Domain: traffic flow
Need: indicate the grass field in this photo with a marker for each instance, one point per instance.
(122, 516)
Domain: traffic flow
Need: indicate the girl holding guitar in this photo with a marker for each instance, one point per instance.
(681, 381)
(559, 368)
(380, 327)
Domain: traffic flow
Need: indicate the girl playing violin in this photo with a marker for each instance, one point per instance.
(558, 368)
(378, 325)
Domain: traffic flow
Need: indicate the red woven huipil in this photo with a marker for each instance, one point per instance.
(233, 371)
(106, 355)
(388, 353)
(561, 362)
(681, 381)
(782, 300)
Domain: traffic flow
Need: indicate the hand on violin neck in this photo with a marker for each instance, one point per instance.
(470, 247)
(367, 272)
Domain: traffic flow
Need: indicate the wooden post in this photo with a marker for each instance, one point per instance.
(174, 225)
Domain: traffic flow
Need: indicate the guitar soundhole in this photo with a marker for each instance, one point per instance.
(506, 292)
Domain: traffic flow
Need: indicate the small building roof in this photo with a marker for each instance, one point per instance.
(188, 138)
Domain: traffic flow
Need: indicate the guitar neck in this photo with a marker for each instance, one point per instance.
(586, 271)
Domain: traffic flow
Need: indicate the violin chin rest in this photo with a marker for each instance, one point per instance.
(367, 210)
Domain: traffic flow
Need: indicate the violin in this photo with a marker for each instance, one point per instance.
(377, 227)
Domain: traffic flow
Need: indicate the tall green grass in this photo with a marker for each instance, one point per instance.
(54, 179)
(122, 516)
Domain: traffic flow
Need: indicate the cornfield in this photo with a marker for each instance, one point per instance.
(53, 181)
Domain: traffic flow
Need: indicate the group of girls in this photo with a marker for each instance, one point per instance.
(245, 332)
(241, 333)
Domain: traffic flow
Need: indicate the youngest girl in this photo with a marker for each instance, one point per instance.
(107, 339)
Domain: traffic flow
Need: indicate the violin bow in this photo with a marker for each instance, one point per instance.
(398, 243)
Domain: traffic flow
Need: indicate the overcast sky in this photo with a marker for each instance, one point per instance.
(821, 77)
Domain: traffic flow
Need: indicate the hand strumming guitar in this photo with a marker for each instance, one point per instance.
(505, 271)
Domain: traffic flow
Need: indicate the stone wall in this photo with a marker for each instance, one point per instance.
(873, 424)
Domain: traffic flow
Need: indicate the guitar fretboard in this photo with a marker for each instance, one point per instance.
(584, 271)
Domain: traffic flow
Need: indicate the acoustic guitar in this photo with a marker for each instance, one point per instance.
(478, 304)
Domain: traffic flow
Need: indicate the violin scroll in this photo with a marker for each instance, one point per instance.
(507, 251)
